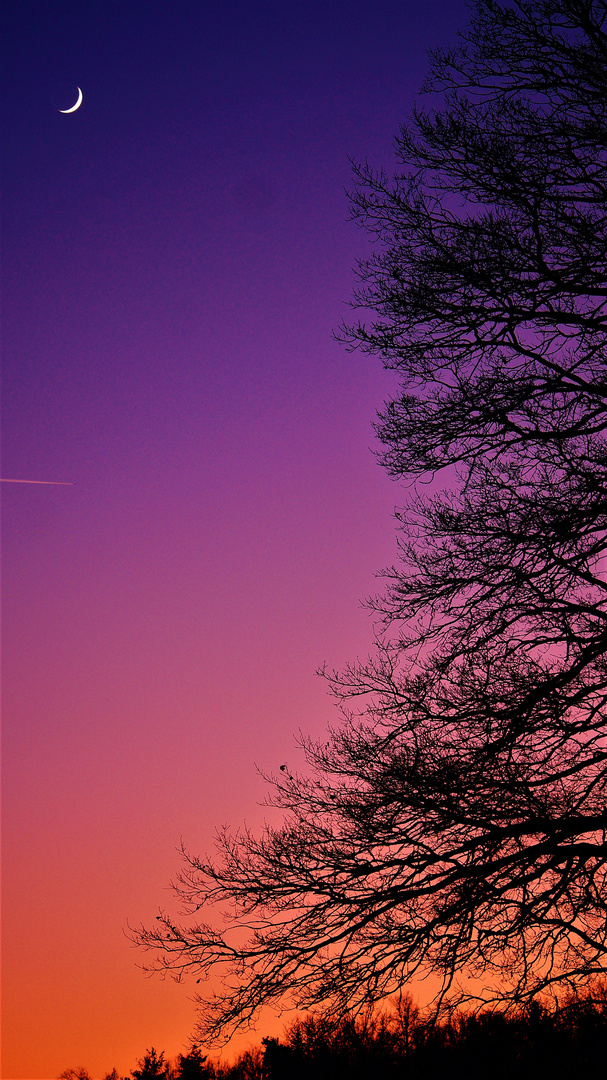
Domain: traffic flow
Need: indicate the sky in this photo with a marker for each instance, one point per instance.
(176, 256)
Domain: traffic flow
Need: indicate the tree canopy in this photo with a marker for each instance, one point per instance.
(454, 822)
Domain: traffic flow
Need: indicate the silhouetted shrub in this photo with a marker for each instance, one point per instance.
(151, 1066)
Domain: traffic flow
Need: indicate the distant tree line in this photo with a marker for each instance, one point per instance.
(568, 1041)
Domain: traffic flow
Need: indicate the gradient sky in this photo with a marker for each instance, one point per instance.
(176, 256)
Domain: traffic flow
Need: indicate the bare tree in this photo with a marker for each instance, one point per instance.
(456, 822)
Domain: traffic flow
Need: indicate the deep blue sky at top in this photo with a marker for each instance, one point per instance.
(208, 131)
(210, 154)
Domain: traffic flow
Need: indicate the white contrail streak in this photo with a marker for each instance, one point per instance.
(62, 483)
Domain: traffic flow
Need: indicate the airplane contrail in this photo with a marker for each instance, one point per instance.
(62, 483)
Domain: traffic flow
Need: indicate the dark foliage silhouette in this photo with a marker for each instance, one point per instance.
(455, 825)
(191, 1066)
(152, 1065)
(565, 1044)
(323, 1046)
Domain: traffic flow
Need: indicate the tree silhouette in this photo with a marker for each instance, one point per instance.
(192, 1066)
(455, 824)
(152, 1065)
(568, 1043)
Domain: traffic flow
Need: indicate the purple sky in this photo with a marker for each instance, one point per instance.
(176, 256)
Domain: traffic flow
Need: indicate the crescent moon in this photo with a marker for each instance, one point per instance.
(76, 106)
